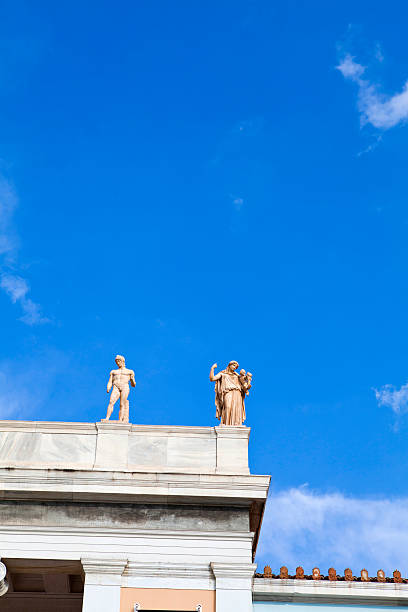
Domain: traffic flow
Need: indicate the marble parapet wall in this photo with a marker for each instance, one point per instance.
(124, 447)
(112, 462)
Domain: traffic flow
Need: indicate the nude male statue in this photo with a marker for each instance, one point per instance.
(119, 383)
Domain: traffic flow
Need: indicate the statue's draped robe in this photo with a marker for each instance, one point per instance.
(229, 399)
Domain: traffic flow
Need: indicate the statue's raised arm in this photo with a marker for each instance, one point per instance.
(215, 377)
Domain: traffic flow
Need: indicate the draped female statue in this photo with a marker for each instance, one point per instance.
(231, 389)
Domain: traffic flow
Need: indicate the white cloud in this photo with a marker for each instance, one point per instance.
(380, 110)
(301, 527)
(12, 283)
(396, 399)
(350, 69)
(15, 286)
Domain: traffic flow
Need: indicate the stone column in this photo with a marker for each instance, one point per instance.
(233, 583)
(103, 578)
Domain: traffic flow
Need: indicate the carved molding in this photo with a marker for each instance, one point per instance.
(98, 565)
(233, 570)
(168, 570)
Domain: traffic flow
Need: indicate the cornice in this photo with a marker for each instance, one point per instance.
(158, 534)
(326, 591)
(116, 428)
(97, 565)
(72, 427)
(48, 426)
(233, 570)
(168, 570)
(238, 431)
(100, 485)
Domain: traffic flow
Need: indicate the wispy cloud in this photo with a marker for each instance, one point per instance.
(14, 285)
(376, 108)
(379, 110)
(305, 528)
(396, 399)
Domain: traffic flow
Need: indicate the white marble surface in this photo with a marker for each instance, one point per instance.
(124, 447)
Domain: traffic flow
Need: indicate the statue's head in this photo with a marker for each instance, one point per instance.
(120, 361)
(233, 365)
(332, 573)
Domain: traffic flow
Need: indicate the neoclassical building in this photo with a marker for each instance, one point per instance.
(114, 517)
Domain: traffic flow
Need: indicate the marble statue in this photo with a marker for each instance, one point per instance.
(119, 383)
(231, 389)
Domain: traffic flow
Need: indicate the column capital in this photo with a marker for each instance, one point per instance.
(103, 580)
(233, 570)
(108, 565)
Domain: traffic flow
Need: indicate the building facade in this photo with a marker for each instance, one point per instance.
(111, 517)
(114, 517)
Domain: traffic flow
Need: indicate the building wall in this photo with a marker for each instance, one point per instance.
(166, 599)
(274, 606)
(168, 516)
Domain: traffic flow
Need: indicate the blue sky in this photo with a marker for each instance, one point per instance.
(190, 182)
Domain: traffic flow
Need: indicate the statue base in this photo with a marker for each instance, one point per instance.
(115, 422)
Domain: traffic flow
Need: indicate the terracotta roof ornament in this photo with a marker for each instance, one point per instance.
(381, 576)
(397, 576)
(267, 572)
(364, 576)
(284, 572)
(332, 575)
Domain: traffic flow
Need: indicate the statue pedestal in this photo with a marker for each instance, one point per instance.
(115, 422)
(111, 451)
(232, 448)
